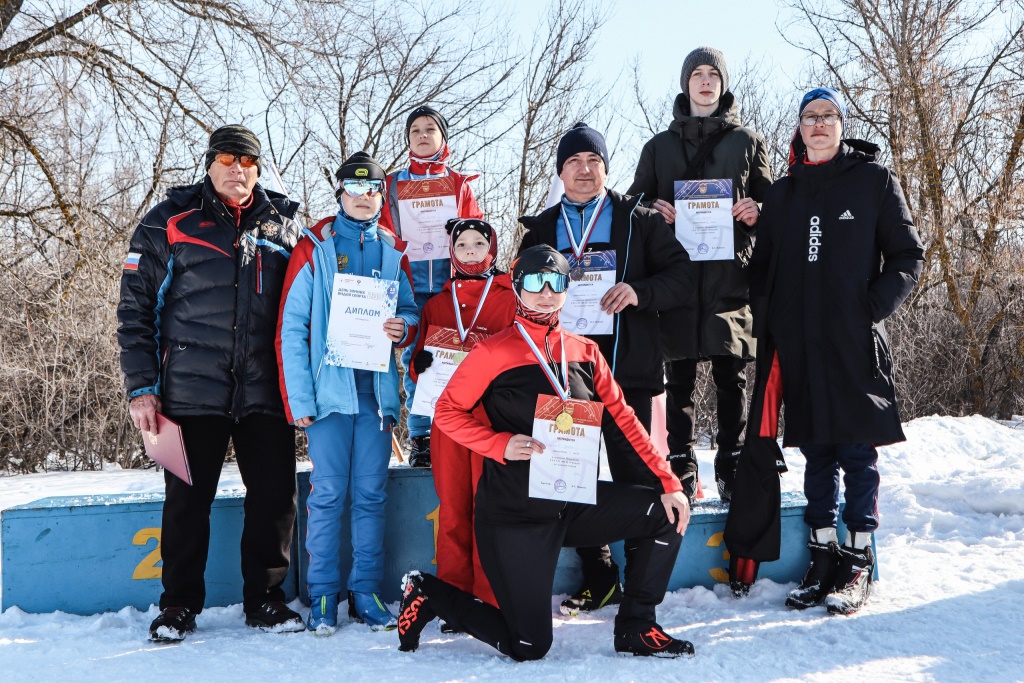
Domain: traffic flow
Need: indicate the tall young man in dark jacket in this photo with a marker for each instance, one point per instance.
(593, 225)
(200, 293)
(705, 141)
(837, 253)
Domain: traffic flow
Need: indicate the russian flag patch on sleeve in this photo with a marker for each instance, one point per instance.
(132, 262)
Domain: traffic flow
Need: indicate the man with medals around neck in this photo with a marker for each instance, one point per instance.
(625, 266)
(418, 200)
(511, 383)
(477, 302)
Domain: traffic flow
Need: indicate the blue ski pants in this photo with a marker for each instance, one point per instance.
(350, 455)
(859, 462)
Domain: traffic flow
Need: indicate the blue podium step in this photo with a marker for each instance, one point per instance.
(91, 554)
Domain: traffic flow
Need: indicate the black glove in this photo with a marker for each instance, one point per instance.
(423, 360)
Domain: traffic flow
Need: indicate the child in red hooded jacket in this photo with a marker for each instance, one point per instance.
(475, 303)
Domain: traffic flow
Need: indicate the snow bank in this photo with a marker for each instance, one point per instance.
(947, 608)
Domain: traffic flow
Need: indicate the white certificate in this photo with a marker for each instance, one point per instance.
(571, 434)
(704, 219)
(355, 328)
(424, 206)
(590, 278)
(449, 352)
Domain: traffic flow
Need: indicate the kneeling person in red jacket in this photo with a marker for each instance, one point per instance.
(474, 304)
(519, 536)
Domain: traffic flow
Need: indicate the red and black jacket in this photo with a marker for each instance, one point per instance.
(503, 375)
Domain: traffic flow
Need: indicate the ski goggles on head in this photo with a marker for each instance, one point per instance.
(357, 187)
(229, 159)
(534, 282)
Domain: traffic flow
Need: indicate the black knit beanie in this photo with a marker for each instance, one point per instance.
(704, 55)
(359, 166)
(581, 138)
(427, 110)
(233, 139)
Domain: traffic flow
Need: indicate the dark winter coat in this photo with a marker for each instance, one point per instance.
(714, 316)
(200, 295)
(653, 262)
(836, 254)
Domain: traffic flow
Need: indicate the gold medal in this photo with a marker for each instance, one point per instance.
(342, 262)
(564, 421)
(460, 356)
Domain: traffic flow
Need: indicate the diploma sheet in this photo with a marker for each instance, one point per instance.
(704, 223)
(444, 344)
(590, 278)
(424, 206)
(567, 469)
(355, 327)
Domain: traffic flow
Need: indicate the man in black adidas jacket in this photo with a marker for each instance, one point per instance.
(197, 321)
(836, 254)
(650, 274)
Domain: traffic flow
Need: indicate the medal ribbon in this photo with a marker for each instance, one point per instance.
(464, 331)
(562, 392)
(578, 249)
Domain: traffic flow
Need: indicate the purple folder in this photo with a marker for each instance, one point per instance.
(167, 448)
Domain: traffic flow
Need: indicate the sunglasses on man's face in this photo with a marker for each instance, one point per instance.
(229, 159)
(534, 282)
(357, 188)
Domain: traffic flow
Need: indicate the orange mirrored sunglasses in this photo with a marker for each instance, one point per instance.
(228, 159)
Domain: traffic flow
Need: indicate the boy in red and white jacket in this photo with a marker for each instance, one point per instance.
(428, 175)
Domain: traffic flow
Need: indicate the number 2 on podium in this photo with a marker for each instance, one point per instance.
(147, 569)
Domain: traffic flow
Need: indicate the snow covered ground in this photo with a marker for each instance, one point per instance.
(949, 605)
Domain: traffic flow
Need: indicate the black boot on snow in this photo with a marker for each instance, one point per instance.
(684, 466)
(414, 612)
(742, 575)
(595, 593)
(419, 453)
(854, 577)
(821, 575)
(172, 624)
(651, 641)
(725, 472)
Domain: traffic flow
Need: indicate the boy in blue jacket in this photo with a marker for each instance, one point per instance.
(348, 414)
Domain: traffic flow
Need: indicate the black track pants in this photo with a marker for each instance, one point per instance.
(597, 562)
(520, 564)
(265, 451)
(729, 374)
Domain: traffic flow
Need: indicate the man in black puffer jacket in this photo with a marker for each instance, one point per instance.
(837, 253)
(197, 321)
(711, 322)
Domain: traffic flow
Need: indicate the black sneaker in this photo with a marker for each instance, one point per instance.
(684, 466)
(725, 472)
(595, 593)
(820, 577)
(275, 617)
(853, 580)
(419, 453)
(652, 641)
(172, 625)
(414, 612)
